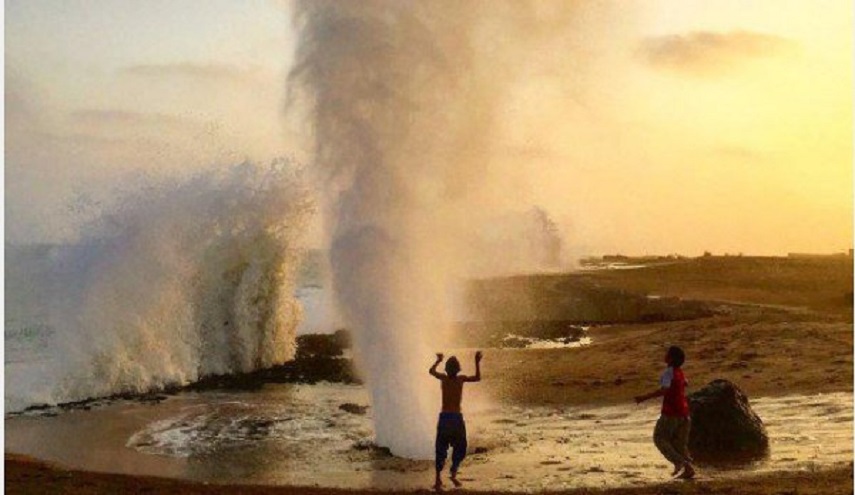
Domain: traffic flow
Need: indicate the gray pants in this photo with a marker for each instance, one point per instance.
(671, 437)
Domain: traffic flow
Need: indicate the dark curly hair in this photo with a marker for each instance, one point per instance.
(676, 356)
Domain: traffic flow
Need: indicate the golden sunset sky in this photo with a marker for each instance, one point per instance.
(654, 127)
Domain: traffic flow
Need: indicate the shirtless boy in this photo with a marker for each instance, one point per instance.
(451, 429)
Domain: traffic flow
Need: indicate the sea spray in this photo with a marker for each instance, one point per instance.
(405, 104)
(176, 281)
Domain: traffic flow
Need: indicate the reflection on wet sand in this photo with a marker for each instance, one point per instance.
(299, 435)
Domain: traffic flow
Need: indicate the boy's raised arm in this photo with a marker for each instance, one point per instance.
(432, 369)
(477, 377)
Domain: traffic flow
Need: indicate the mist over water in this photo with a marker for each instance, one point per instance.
(174, 282)
(404, 99)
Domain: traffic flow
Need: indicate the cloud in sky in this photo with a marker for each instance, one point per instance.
(708, 52)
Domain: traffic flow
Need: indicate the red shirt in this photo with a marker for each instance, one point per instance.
(674, 403)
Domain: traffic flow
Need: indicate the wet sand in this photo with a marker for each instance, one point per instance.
(298, 435)
(28, 476)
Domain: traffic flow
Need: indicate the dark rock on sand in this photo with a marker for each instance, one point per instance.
(308, 370)
(353, 408)
(724, 427)
(322, 345)
(373, 448)
(52, 410)
(319, 358)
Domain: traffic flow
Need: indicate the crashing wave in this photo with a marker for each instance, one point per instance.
(178, 281)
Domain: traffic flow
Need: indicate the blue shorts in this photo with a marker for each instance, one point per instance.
(450, 432)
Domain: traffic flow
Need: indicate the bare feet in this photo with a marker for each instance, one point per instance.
(688, 472)
(454, 480)
(677, 469)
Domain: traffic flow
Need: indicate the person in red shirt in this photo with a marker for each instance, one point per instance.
(671, 434)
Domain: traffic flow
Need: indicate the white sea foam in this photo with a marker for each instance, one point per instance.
(177, 281)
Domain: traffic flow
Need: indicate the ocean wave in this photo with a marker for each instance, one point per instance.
(179, 280)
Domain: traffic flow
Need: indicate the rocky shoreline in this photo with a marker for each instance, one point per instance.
(320, 358)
